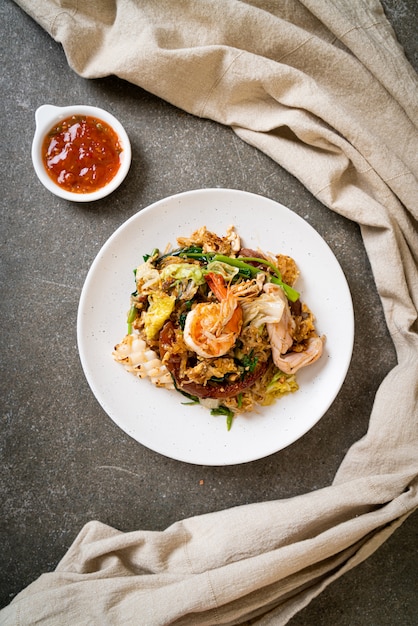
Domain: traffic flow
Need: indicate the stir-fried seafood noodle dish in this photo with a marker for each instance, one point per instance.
(220, 323)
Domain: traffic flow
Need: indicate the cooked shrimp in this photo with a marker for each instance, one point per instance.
(293, 361)
(211, 329)
(280, 332)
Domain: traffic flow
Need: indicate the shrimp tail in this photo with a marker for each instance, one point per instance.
(217, 285)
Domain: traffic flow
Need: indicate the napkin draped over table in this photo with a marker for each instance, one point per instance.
(323, 88)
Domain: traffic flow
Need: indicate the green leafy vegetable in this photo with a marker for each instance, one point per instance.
(153, 254)
(243, 266)
(223, 410)
(182, 320)
(189, 252)
(131, 318)
(193, 399)
(249, 362)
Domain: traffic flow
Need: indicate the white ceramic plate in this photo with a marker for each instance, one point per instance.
(157, 418)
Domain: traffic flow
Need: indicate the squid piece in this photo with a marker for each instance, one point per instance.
(280, 331)
(138, 359)
(291, 362)
(281, 338)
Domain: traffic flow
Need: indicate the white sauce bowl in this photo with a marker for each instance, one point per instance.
(46, 117)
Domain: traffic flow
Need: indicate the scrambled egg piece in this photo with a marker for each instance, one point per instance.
(160, 308)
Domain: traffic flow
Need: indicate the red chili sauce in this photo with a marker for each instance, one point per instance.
(81, 154)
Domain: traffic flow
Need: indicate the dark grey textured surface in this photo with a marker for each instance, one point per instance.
(63, 461)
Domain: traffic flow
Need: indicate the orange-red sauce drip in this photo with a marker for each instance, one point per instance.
(81, 153)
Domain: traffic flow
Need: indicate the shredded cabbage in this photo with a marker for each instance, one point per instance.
(226, 270)
(180, 271)
(266, 309)
(147, 276)
(279, 385)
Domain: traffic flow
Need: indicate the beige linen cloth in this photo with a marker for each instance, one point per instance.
(323, 87)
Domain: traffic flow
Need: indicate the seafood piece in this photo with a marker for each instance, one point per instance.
(293, 361)
(211, 329)
(281, 331)
(138, 359)
(211, 389)
(281, 335)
